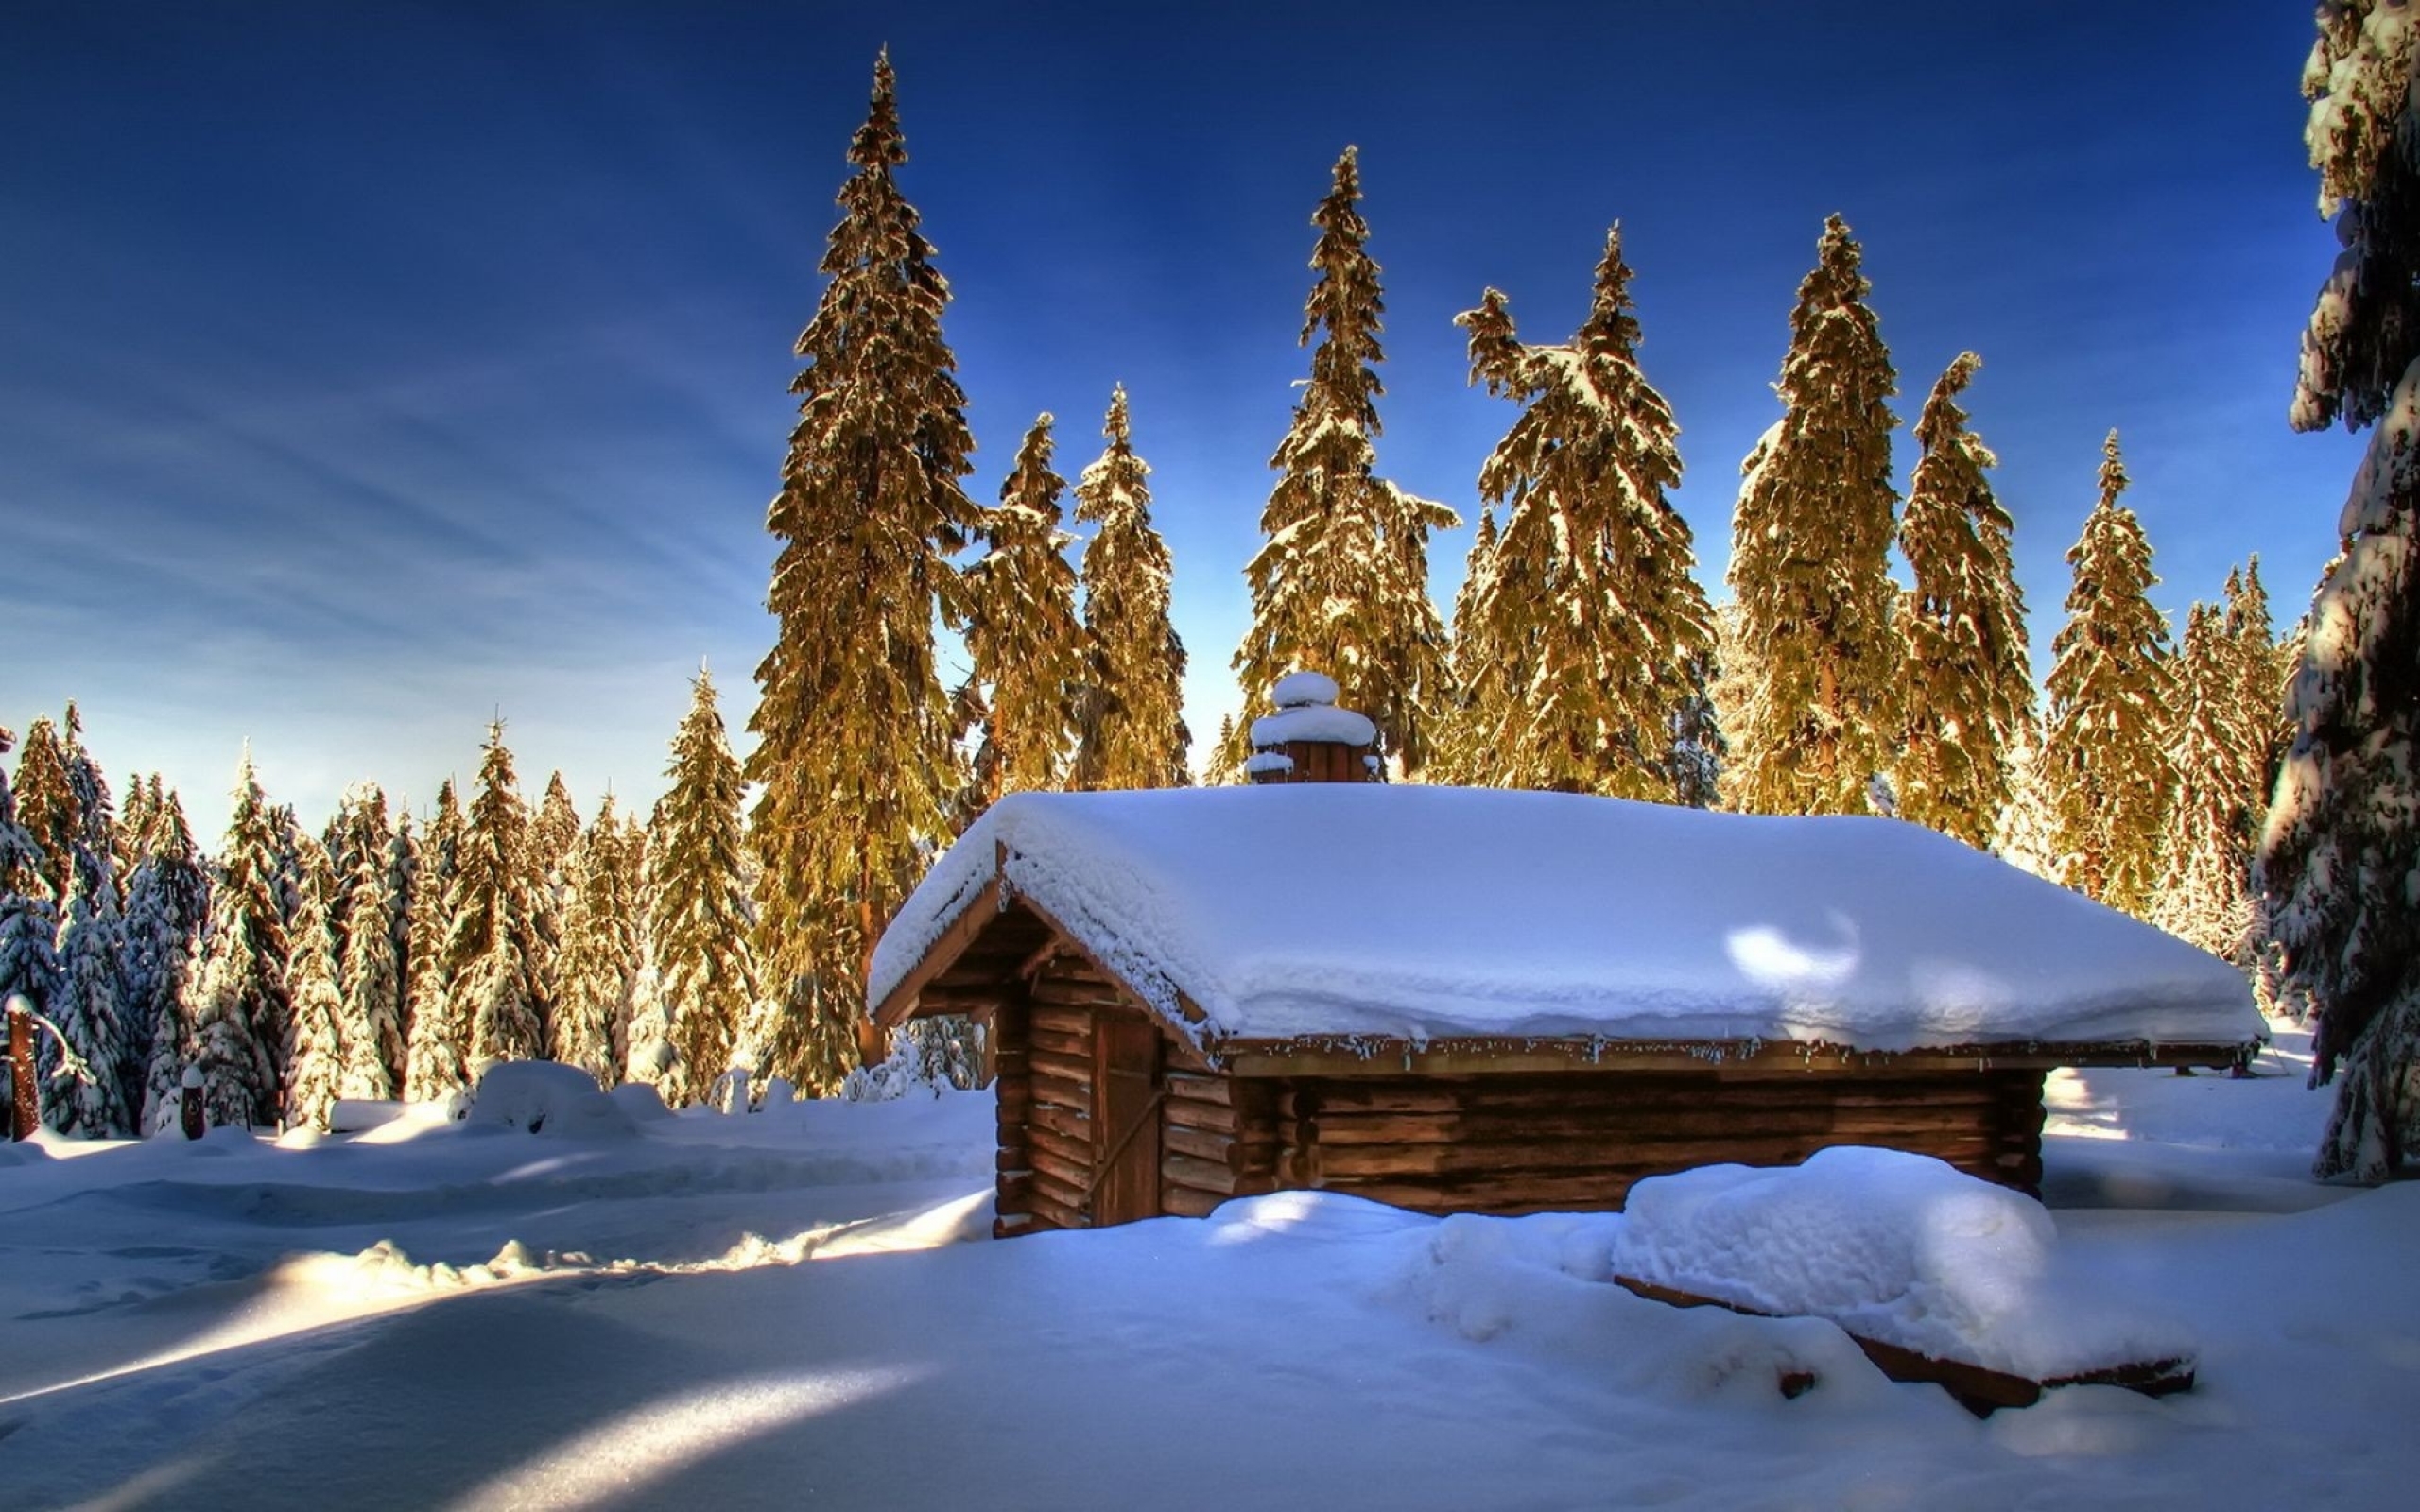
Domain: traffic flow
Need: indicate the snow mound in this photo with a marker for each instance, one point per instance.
(545, 1097)
(1898, 1247)
(640, 1101)
(1296, 689)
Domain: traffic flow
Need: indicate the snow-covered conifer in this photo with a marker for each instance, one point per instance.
(1968, 683)
(166, 903)
(1131, 711)
(88, 1013)
(2102, 756)
(1581, 625)
(2341, 844)
(2265, 670)
(597, 970)
(240, 1005)
(2027, 833)
(369, 981)
(1223, 770)
(492, 945)
(46, 806)
(1342, 584)
(854, 746)
(315, 1074)
(1695, 750)
(1813, 716)
(1022, 631)
(28, 919)
(436, 1044)
(2202, 894)
(698, 921)
(95, 837)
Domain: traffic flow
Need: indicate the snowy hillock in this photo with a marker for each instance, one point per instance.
(543, 1097)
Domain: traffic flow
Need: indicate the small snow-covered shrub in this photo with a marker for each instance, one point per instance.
(544, 1097)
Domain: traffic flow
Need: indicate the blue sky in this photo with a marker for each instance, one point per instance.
(366, 370)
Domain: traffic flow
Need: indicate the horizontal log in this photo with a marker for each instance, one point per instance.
(1011, 1098)
(1064, 1122)
(1507, 1158)
(1055, 1186)
(1623, 1093)
(1189, 1202)
(1208, 1117)
(1076, 1175)
(1012, 1157)
(1186, 1171)
(1052, 1084)
(1009, 1193)
(1059, 1042)
(1057, 1020)
(1009, 1059)
(1065, 1067)
(1219, 1149)
(1193, 1087)
(1080, 1151)
(1009, 1225)
(1057, 1215)
(1073, 993)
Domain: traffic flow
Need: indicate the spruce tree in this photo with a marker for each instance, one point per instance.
(92, 1020)
(137, 819)
(491, 944)
(437, 1043)
(168, 903)
(1131, 711)
(315, 1076)
(369, 977)
(597, 970)
(240, 1007)
(1022, 631)
(2341, 845)
(854, 751)
(1475, 708)
(2202, 894)
(28, 919)
(1223, 769)
(553, 831)
(1585, 621)
(699, 919)
(95, 842)
(2026, 835)
(1965, 672)
(2101, 756)
(2265, 670)
(1342, 584)
(1694, 755)
(46, 807)
(1810, 561)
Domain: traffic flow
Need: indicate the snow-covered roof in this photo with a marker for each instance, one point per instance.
(1426, 913)
(1313, 721)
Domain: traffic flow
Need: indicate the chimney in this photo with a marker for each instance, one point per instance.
(1309, 739)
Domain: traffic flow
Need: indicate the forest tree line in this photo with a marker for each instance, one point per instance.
(1581, 655)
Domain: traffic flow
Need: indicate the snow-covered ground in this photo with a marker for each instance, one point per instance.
(776, 1309)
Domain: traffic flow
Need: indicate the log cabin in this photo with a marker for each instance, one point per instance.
(1498, 1002)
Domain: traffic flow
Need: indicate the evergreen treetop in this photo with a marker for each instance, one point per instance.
(1965, 671)
(1342, 584)
(1022, 631)
(2102, 743)
(854, 745)
(1131, 715)
(1810, 561)
(1584, 616)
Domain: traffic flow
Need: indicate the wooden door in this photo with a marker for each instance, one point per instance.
(1125, 1119)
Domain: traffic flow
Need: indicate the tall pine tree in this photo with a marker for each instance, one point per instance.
(1342, 584)
(168, 903)
(2102, 761)
(598, 970)
(2202, 894)
(2341, 845)
(1810, 562)
(855, 743)
(1131, 711)
(1968, 682)
(436, 1044)
(315, 1076)
(698, 923)
(240, 1008)
(90, 1100)
(369, 976)
(491, 947)
(1586, 620)
(1022, 631)
(46, 807)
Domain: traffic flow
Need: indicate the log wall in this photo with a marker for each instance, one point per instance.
(1532, 1143)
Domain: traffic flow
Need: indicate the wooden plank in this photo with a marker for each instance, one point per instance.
(1195, 1088)
(1186, 1009)
(1012, 1157)
(1050, 1092)
(1184, 1170)
(1046, 1016)
(1062, 1122)
(1053, 1165)
(1981, 1390)
(1044, 1040)
(1073, 1149)
(1077, 1069)
(1008, 1194)
(1057, 1215)
(1012, 1224)
(1187, 1202)
(1208, 1117)
(1218, 1149)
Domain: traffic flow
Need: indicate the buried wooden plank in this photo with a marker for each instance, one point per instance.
(1981, 1391)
